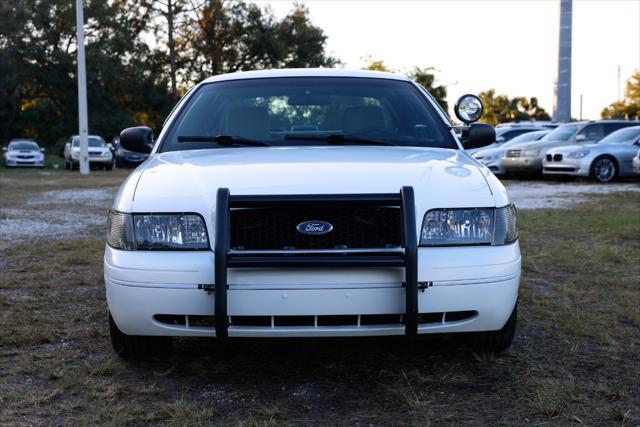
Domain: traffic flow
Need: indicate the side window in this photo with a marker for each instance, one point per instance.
(612, 127)
(591, 133)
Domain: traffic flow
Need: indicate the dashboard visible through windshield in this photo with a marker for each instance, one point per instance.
(297, 111)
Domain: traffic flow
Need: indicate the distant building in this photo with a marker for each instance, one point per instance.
(562, 92)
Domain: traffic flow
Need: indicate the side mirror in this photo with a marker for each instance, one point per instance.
(138, 139)
(468, 109)
(4, 148)
(478, 135)
(581, 137)
(500, 139)
(42, 150)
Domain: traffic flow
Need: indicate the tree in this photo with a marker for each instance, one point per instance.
(171, 12)
(38, 68)
(226, 37)
(501, 108)
(629, 108)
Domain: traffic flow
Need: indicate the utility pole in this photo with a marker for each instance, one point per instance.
(83, 121)
(562, 95)
(619, 96)
(580, 106)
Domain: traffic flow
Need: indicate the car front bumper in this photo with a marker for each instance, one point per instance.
(570, 167)
(522, 164)
(143, 288)
(24, 163)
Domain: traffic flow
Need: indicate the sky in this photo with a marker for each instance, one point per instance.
(475, 45)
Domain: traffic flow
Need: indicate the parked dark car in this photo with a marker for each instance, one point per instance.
(125, 158)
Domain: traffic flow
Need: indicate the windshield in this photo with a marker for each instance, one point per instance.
(23, 146)
(622, 136)
(94, 141)
(561, 133)
(307, 111)
(526, 137)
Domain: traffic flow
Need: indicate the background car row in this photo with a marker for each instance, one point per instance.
(23, 152)
(603, 150)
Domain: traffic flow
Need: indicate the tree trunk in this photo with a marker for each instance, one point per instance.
(172, 49)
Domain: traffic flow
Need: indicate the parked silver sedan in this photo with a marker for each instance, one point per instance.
(610, 158)
(492, 157)
(529, 158)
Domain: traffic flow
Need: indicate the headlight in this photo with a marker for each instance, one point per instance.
(156, 231)
(578, 154)
(475, 226)
(531, 153)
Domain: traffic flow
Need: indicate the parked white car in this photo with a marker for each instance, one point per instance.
(610, 158)
(23, 153)
(311, 203)
(99, 153)
(492, 157)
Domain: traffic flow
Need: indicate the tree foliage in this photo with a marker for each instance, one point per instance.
(141, 55)
(501, 108)
(629, 108)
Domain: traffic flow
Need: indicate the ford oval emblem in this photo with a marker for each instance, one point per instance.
(314, 227)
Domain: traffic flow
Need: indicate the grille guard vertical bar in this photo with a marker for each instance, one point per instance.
(221, 258)
(411, 259)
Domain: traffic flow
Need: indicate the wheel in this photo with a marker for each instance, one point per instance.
(137, 347)
(492, 341)
(604, 169)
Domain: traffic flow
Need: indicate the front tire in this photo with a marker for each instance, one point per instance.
(137, 347)
(604, 169)
(492, 341)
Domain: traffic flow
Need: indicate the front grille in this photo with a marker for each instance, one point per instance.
(95, 153)
(354, 227)
(549, 158)
(513, 153)
(25, 156)
(557, 157)
(560, 169)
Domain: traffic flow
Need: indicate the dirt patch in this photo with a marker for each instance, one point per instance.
(553, 195)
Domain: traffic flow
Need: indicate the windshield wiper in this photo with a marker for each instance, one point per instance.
(338, 139)
(224, 140)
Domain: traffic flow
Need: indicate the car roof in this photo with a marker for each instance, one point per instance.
(305, 72)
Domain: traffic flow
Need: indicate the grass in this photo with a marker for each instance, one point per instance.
(574, 361)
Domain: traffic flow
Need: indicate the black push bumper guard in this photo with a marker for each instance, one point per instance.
(408, 258)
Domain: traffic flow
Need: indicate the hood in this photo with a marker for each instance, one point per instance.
(189, 180)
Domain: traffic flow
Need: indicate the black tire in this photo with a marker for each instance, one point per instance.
(138, 347)
(604, 169)
(492, 341)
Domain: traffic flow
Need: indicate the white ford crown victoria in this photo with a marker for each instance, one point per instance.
(311, 203)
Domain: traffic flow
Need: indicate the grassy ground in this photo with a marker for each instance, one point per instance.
(575, 359)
